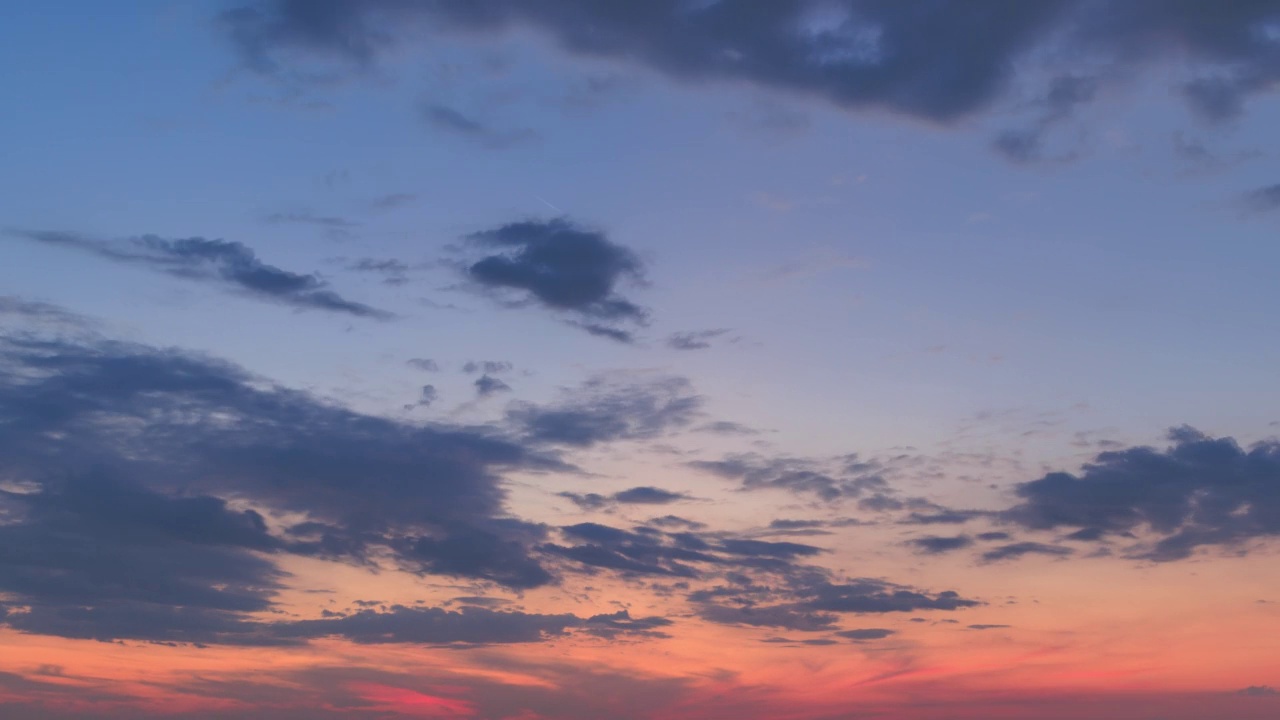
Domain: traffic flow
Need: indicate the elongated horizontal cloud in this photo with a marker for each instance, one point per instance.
(563, 267)
(940, 61)
(642, 495)
(608, 408)
(1199, 491)
(230, 264)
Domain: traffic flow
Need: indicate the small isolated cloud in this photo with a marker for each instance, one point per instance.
(694, 339)
(428, 395)
(1020, 549)
(393, 272)
(644, 495)
(565, 268)
(329, 222)
(447, 119)
(391, 201)
(987, 627)
(487, 385)
(1263, 199)
(423, 364)
(936, 545)
(867, 633)
(489, 367)
(221, 262)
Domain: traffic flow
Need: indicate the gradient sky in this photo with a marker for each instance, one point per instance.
(671, 359)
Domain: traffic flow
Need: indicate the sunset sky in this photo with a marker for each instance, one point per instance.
(640, 359)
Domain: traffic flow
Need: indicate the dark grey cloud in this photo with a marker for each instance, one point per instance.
(610, 408)
(450, 120)
(987, 627)
(694, 339)
(867, 633)
(647, 495)
(565, 268)
(642, 495)
(935, 545)
(1199, 491)
(1263, 199)
(941, 61)
(1019, 549)
(487, 385)
(120, 460)
(231, 264)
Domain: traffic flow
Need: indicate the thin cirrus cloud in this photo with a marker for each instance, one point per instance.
(939, 61)
(230, 264)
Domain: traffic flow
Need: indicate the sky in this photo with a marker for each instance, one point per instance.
(662, 359)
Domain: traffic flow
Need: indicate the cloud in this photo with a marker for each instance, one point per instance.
(562, 267)
(328, 222)
(643, 495)
(230, 264)
(1199, 491)
(1019, 549)
(867, 633)
(935, 545)
(423, 364)
(609, 408)
(646, 495)
(1263, 199)
(468, 625)
(120, 462)
(1259, 691)
(393, 272)
(694, 339)
(796, 475)
(1064, 94)
(443, 117)
(392, 201)
(491, 367)
(940, 61)
(487, 385)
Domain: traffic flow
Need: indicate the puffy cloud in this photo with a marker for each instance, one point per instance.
(1198, 491)
(563, 267)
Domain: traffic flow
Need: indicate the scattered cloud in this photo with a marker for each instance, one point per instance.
(1199, 491)
(447, 119)
(230, 264)
(562, 267)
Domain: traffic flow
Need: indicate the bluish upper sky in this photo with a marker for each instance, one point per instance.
(522, 277)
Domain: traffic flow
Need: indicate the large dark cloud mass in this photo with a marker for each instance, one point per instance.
(565, 268)
(120, 463)
(1198, 491)
(935, 59)
(226, 263)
